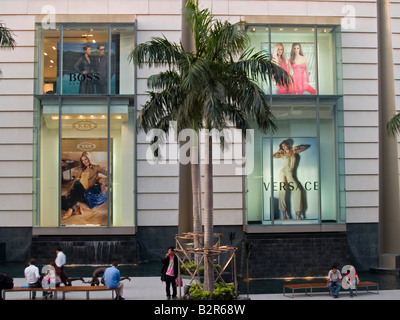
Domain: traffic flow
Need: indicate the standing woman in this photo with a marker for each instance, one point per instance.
(287, 176)
(280, 59)
(299, 70)
(85, 67)
(86, 179)
(170, 272)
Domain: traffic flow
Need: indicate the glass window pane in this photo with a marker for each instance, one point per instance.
(49, 165)
(328, 155)
(326, 60)
(294, 49)
(48, 59)
(257, 188)
(122, 170)
(84, 165)
(259, 40)
(295, 168)
(122, 71)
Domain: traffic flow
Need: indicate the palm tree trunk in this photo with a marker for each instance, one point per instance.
(188, 44)
(208, 212)
(195, 172)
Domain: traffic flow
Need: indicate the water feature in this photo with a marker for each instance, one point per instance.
(87, 250)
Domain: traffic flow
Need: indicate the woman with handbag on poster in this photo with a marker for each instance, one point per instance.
(169, 272)
(86, 187)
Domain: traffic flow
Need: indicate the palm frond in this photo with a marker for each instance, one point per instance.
(258, 66)
(226, 40)
(6, 38)
(247, 95)
(163, 80)
(200, 23)
(156, 52)
(393, 126)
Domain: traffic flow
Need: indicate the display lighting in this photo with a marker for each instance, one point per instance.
(85, 117)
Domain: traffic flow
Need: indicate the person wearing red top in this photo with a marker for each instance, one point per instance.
(352, 279)
(170, 272)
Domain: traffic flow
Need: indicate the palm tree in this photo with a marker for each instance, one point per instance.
(6, 39)
(212, 88)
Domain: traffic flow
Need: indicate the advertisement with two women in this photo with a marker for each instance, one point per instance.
(298, 60)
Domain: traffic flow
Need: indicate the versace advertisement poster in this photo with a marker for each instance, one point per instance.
(292, 193)
(84, 187)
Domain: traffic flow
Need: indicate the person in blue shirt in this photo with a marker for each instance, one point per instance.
(112, 279)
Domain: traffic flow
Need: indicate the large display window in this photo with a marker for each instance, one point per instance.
(85, 59)
(295, 177)
(309, 55)
(296, 174)
(84, 155)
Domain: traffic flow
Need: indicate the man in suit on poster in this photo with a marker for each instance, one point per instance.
(101, 69)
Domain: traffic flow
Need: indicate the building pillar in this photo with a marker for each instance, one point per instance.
(389, 204)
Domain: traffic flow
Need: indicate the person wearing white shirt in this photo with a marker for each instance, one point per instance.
(32, 276)
(60, 262)
(61, 258)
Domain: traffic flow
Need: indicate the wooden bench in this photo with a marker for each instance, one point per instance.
(63, 289)
(311, 286)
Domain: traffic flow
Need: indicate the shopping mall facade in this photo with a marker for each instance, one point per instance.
(332, 206)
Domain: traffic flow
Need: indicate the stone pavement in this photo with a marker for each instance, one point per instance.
(151, 288)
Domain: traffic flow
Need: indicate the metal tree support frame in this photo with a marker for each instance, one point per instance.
(190, 254)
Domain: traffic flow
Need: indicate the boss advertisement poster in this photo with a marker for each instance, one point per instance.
(86, 68)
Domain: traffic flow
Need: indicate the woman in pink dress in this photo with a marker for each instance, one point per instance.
(279, 59)
(299, 70)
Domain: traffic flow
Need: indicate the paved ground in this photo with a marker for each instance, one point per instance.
(151, 288)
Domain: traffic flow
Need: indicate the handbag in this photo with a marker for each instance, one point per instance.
(178, 282)
(94, 197)
(163, 277)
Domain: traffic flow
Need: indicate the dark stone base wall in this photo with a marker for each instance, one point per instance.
(363, 240)
(310, 254)
(295, 255)
(153, 242)
(15, 244)
(272, 255)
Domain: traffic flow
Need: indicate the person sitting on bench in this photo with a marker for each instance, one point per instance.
(334, 280)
